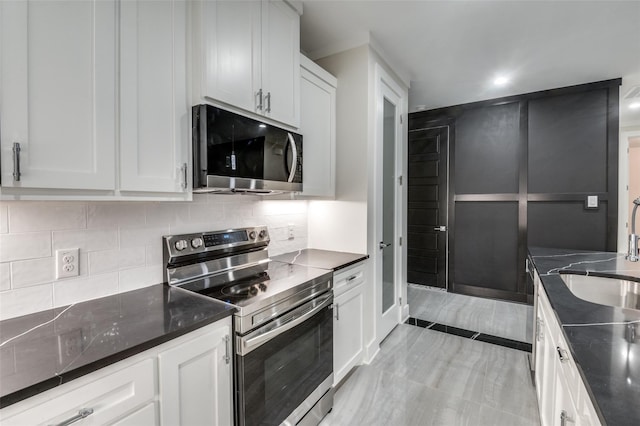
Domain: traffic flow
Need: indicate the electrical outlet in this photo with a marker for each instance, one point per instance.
(290, 232)
(67, 263)
(70, 346)
(592, 201)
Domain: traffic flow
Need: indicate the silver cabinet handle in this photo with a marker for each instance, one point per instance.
(383, 245)
(351, 278)
(562, 354)
(565, 418)
(268, 99)
(16, 162)
(84, 412)
(259, 95)
(441, 228)
(337, 308)
(227, 351)
(184, 169)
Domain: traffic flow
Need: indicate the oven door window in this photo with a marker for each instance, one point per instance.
(274, 379)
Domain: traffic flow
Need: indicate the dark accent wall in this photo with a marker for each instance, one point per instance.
(521, 168)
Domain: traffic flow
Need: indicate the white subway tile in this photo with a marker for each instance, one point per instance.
(141, 237)
(206, 213)
(5, 276)
(23, 301)
(4, 218)
(86, 239)
(167, 214)
(133, 279)
(114, 260)
(75, 290)
(46, 216)
(32, 272)
(153, 254)
(235, 211)
(29, 245)
(115, 215)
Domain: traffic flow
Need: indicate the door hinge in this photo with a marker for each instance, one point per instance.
(400, 301)
(400, 180)
(400, 241)
(400, 119)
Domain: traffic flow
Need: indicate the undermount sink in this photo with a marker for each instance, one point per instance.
(604, 291)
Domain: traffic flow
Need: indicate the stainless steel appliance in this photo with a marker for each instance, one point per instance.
(283, 326)
(236, 153)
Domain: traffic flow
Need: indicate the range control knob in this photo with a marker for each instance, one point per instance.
(262, 234)
(196, 242)
(252, 235)
(181, 245)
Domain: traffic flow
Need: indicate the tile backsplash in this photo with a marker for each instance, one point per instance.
(119, 242)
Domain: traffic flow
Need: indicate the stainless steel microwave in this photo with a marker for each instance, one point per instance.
(235, 153)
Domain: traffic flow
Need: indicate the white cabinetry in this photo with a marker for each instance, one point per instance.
(348, 326)
(318, 127)
(59, 80)
(185, 381)
(154, 113)
(195, 381)
(562, 396)
(247, 56)
(57, 93)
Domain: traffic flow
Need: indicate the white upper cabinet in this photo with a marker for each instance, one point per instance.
(318, 127)
(57, 93)
(154, 113)
(247, 56)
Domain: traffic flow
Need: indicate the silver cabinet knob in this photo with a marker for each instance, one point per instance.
(181, 245)
(196, 242)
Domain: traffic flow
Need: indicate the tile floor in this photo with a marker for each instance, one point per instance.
(495, 317)
(426, 377)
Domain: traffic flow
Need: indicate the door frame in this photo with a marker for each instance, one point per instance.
(386, 85)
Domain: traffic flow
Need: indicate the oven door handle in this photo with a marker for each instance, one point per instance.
(288, 321)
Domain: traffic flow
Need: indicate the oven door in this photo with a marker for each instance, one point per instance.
(282, 363)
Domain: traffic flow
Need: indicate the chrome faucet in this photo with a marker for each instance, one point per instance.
(633, 238)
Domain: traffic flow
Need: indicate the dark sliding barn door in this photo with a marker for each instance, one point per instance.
(427, 207)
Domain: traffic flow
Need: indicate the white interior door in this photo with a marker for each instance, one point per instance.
(388, 202)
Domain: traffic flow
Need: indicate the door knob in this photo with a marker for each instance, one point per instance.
(441, 228)
(383, 245)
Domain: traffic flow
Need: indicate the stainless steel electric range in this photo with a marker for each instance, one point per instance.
(283, 326)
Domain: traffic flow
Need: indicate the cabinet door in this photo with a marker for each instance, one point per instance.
(195, 381)
(347, 332)
(281, 62)
(154, 115)
(147, 415)
(108, 398)
(230, 33)
(318, 125)
(57, 94)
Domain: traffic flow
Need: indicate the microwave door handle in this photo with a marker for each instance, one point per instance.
(294, 151)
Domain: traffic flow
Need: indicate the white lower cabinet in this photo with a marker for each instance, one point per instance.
(562, 396)
(195, 381)
(348, 317)
(186, 381)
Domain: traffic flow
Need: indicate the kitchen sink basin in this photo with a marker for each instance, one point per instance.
(604, 291)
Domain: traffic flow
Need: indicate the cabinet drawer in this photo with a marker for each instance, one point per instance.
(348, 278)
(110, 397)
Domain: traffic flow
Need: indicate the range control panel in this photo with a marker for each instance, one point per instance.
(202, 242)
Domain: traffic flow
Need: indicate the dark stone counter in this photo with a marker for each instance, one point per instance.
(323, 259)
(46, 349)
(604, 340)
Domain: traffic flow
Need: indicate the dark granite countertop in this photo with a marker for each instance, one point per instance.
(323, 259)
(46, 349)
(604, 340)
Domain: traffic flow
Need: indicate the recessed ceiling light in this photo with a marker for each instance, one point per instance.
(635, 105)
(501, 80)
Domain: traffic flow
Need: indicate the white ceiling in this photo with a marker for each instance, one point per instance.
(452, 50)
